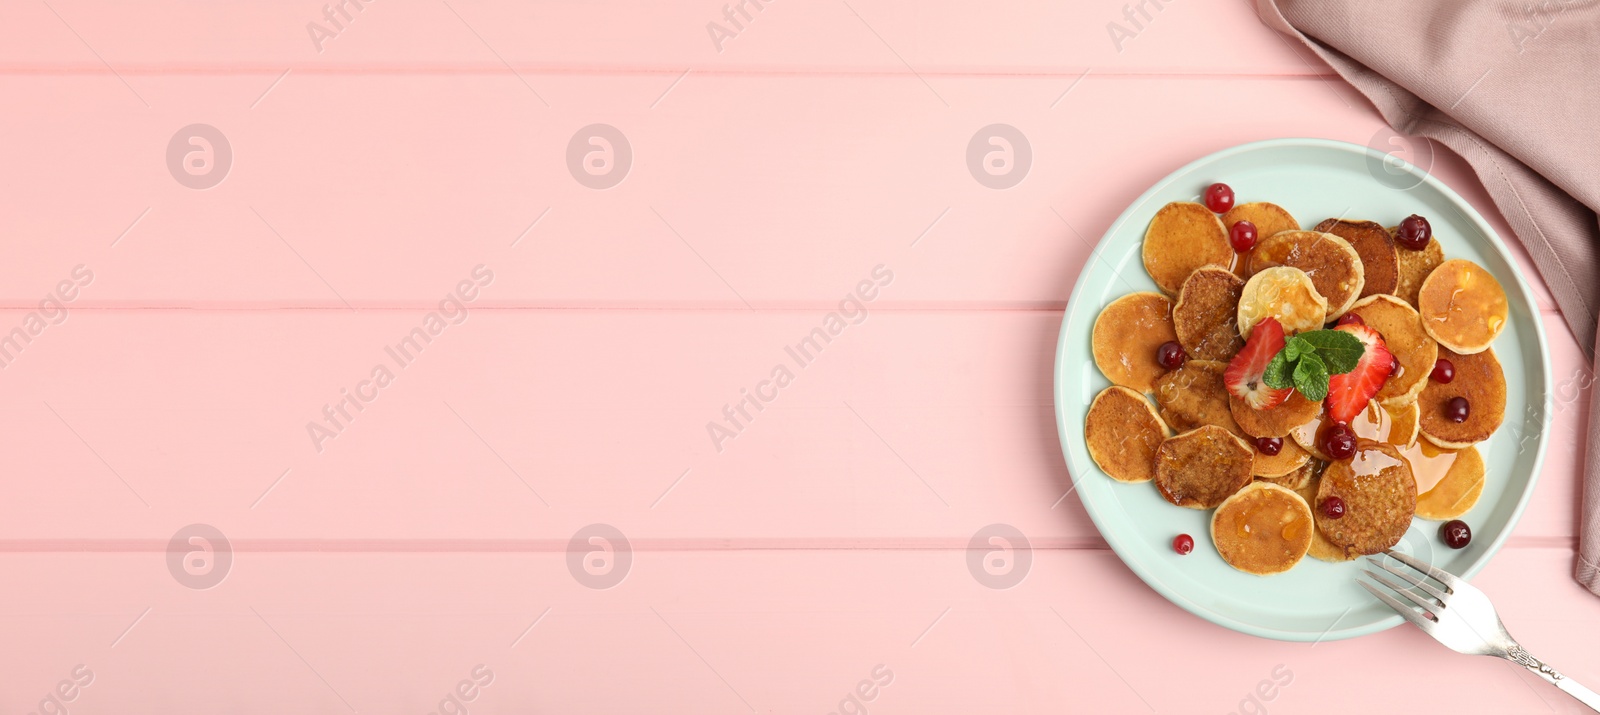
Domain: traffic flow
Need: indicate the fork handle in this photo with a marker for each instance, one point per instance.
(1567, 685)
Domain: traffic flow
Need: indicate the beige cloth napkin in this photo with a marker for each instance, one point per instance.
(1514, 88)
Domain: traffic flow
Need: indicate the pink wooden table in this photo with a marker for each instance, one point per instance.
(214, 324)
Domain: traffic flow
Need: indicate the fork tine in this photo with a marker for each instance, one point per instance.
(1426, 604)
(1410, 578)
(1410, 614)
(1440, 575)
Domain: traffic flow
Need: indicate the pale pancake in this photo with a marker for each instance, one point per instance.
(1268, 219)
(1184, 236)
(1200, 468)
(1415, 266)
(1380, 259)
(1273, 422)
(1333, 265)
(1480, 380)
(1208, 305)
(1401, 328)
(1380, 497)
(1262, 529)
(1285, 293)
(1289, 460)
(1125, 338)
(1321, 548)
(1123, 433)
(1193, 395)
(1462, 306)
(1458, 491)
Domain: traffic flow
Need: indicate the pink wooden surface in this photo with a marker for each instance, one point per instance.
(772, 574)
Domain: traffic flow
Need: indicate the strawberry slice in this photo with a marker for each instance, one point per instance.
(1243, 376)
(1349, 393)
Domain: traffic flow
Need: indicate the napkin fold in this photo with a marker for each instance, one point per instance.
(1513, 88)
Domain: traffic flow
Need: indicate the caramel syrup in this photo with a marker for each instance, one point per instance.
(1429, 463)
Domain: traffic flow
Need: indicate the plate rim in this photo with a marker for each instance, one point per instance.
(1059, 376)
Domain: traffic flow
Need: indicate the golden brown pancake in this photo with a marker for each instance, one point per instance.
(1380, 497)
(1405, 424)
(1268, 219)
(1208, 305)
(1460, 488)
(1402, 333)
(1333, 265)
(1415, 266)
(1123, 433)
(1184, 236)
(1286, 464)
(1380, 260)
(1193, 395)
(1276, 421)
(1284, 293)
(1262, 529)
(1200, 468)
(1292, 467)
(1321, 548)
(1480, 380)
(1463, 307)
(1126, 335)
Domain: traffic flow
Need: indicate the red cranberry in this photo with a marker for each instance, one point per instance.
(1183, 544)
(1338, 441)
(1332, 507)
(1414, 233)
(1443, 372)
(1456, 534)
(1350, 319)
(1243, 236)
(1219, 198)
(1457, 409)
(1269, 446)
(1170, 355)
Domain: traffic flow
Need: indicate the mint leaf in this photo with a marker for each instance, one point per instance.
(1311, 377)
(1280, 371)
(1294, 348)
(1338, 350)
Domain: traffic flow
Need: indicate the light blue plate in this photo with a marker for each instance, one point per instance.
(1314, 179)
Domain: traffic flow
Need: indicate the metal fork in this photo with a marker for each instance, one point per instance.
(1461, 617)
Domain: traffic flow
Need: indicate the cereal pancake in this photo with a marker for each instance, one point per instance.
(1332, 264)
(1123, 433)
(1285, 293)
(1125, 338)
(1462, 306)
(1481, 382)
(1415, 267)
(1193, 395)
(1286, 464)
(1208, 305)
(1379, 494)
(1291, 467)
(1274, 422)
(1184, 236)
(1200, 468)
(1262, 529)
(1401, 328)
(1458, 491)
(1380, 258)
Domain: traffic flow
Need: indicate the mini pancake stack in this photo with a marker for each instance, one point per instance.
(1179, 426)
